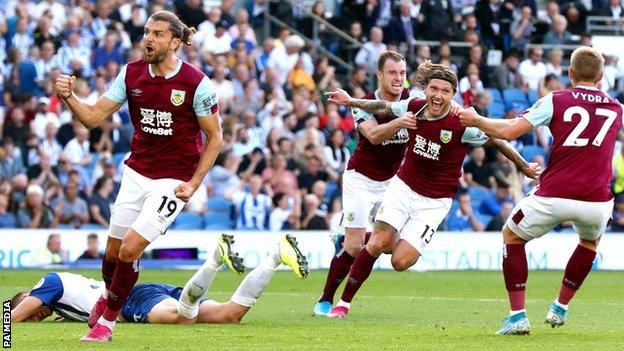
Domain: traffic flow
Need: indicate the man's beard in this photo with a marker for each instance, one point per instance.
(157, 57)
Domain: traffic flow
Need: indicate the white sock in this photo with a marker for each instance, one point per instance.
(511, 313)
(344, 304)
(565, 307)
(195, 287)
(256, 281)
(109, 324)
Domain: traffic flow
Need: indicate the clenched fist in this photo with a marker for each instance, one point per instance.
(65, 86)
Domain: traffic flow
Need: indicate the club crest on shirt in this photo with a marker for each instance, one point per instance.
(350, 216)
(177, 97)
(445, 136)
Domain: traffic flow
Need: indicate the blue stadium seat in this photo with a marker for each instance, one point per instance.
(217, 221)
(530, 151)
(477, 195)
(484, 219)
(92, 226)
(515, 95)
(495, 94)
(118, 157)
(497, 109)
(533, 96)
(217, 205)
(188, 221)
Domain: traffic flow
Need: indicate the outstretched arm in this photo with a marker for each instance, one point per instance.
(342, 98)
(378, 133)
(507, 129)
(531, 170)
(89, 115)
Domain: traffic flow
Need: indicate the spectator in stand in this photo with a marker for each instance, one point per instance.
(469, 96)
(497, 223)
(226, 12)
(33, 212)
(44, 33)
(191, 12)
(555, 58)
(252, 206)
(7, 219)
(311, 218)
(93, 248)
(444, 52)
(281, 215)
(492, 204)
(551, 83)
(369, 52)
(475, 57)
(100, 203)
(576, 14)
(617, 225)
(618, 171)
(347, 48)
(506, 75)
(78, 148)
(43, 173)
(482, 102)
(522, 29)
(506, 171)
(46, 62)
(613, 10)
(558, 34)
(241, 28)
(278, 177)
(314, 170)
(284, 59)
(477, 172)
(109, 50)
(71, 209)
(43, 117)
(423, 54)
(464, 83)
(74, 58)
(319, 188)
(440, 20)
(54, 253)
(463, 218)
(494, 20)
(224, 86)
(336, 153)
(358, 81)
(11, 163)
(16, 128)
(402, 28)
(222, 178)
(532, 70)
(22, 39)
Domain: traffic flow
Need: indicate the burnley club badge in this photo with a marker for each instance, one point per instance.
(177, 97)
(446, 135)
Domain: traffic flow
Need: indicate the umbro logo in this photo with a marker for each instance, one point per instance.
(136, 92)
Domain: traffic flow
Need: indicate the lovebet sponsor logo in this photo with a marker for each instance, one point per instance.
(6, 324)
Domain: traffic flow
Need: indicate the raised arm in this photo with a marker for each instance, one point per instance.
(378, 107)
(89, 115)
(507, 129)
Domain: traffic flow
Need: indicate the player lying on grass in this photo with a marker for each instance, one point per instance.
(73, 296)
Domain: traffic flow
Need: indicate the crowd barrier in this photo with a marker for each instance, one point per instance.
(447, 251)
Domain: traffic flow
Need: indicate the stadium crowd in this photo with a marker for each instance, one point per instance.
(284, 146)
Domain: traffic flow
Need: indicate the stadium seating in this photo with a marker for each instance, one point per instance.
(477, 195)
(530, 151)
(188, 221)
(217, 221)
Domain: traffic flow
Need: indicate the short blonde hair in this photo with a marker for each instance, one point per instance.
(587, 64)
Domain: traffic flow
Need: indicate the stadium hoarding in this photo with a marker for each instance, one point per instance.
(447, 251)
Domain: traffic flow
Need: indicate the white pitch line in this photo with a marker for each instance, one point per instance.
(434, 298)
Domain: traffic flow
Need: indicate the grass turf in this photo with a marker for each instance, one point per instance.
(416, 311)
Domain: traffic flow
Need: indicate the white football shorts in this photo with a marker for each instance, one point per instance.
(146, 205)
(415, 217)
(536, 215)
(359, 196)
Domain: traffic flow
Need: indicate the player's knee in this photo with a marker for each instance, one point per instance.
(402, 263)
(381, 242)
(129, 252)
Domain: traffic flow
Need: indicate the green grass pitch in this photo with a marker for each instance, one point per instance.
(409, 311)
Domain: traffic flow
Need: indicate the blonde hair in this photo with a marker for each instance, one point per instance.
(587, 64)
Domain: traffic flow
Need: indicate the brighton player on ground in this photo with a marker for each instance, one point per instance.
(376, 159)
(72, 296)
(170, 103)
(575, 187)
(420, 195)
